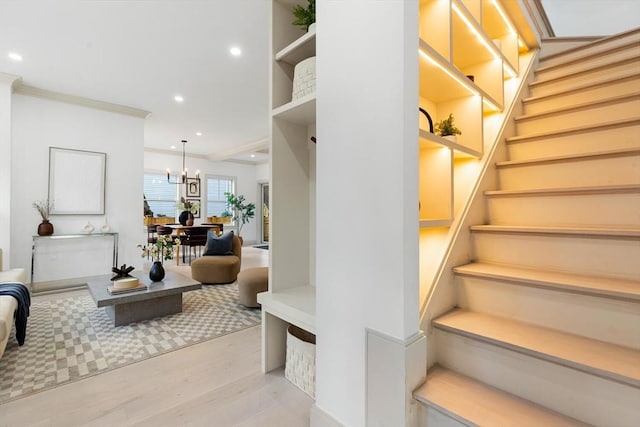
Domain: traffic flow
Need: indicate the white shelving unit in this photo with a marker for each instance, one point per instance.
(467, 50)
(291, 298)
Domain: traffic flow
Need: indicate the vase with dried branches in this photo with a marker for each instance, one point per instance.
(44, 207)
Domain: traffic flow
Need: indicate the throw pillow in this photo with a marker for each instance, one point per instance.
(222, 245)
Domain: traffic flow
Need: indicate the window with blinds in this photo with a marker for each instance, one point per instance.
(216, 187)
(160, 195)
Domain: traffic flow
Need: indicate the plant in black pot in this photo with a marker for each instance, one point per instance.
(187, 208)
(242, 212)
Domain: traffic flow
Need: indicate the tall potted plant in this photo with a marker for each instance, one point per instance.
(242, 212)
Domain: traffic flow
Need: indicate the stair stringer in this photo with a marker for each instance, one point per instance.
(441, 296)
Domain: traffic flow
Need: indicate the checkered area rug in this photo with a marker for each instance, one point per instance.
(70, 338)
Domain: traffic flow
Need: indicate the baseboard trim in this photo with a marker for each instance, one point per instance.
(319, 418)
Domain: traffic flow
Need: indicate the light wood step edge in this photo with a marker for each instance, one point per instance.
(577, 130)
(607, 232)
(474, 403)
(623, 152)
(621, 289)
(566, 191)
(591, 45)
(601, 102)
(572, 74)
(605, 81)
(629, 45)
(593, 357)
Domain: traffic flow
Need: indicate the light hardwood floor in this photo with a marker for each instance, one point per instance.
(214, 383)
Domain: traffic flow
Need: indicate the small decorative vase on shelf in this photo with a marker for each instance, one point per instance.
(184, 216)
(45, 228)
(88, 228)
(156, 272)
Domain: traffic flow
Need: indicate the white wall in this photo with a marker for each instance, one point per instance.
(38, 124)
(245, 175)
(262, 172)
(367, 172)
(5, 168)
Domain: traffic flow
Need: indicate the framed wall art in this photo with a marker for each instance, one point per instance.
(77, 181)
(193, 187)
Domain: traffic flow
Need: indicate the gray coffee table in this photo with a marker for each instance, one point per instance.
(159, 299)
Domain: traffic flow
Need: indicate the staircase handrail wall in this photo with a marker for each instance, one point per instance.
(441, 295)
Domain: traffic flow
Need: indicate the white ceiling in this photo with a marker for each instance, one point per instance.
(143, 53)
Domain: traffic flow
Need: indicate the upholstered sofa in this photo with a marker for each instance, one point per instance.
(8, 304)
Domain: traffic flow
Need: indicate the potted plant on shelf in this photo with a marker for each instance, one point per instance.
(44, 207)
(305, 16)
(447, 129)
(188, 208)
(242, 212)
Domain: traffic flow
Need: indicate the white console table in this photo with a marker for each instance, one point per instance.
(66, 240)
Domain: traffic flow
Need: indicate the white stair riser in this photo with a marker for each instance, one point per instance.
(627, 109)
(430, 417)
(585, 210)
(614, 72)
(591, 172)
(606, 139)
(579, 255)
(585, 397)
(603, 319)
(592, 50)
(615, 88)
(586, 64)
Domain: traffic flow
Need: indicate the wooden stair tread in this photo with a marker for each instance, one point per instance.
(561, 230)
(566, 191)
(599, 286)
(581, 106)
(589, 49)
(580, 129)
(598, 358)
(473, 402)
(571, 74)
(571, 157)
(604, 81)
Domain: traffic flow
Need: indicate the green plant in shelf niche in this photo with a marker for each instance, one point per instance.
(446, 127)
(305, 16)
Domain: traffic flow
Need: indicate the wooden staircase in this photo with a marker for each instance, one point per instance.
(546, 330)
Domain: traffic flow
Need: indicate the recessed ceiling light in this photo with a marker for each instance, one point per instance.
(173, 147)
(235, 51)
(15, 56)
(199, 133)
(253, 156)
(178, 98)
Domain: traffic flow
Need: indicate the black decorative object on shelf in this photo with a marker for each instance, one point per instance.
(121, 272)
(423, 111)
(156, 272)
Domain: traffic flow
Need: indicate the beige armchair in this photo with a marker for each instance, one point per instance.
(218, 269)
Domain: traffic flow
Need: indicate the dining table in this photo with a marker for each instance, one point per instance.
(180, 229)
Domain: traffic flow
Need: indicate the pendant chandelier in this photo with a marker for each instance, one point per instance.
(184, 175)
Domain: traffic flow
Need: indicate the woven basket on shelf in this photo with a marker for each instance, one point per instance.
(300, 363)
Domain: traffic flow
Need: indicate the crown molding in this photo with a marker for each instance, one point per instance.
(23, 89)
(10, 79)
